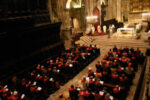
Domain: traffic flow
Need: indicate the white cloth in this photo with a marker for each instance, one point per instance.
(99, 29)
(34, 83)
(101, 93)
(113, 26)
(15, 92)
(104, 28)
(39, 88)
(87, 79)
(110, 29)
(93, 30)
(111, 98)
(51, 79)
(22, 96)
(5, 86)
(102, 82)
(78, 89)
(70, 65)
(138, 26)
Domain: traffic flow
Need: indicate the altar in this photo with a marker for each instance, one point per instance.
(125, 33)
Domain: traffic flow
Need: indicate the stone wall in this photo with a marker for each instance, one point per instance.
(122, 10)
(140, 5)
(114, 10)
(58, 12)
(135, 8)
(90, 5)
(125, 10)
(135, 17)
(111, 10)
(61, 13)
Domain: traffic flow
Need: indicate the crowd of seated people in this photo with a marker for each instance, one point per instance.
(46, 77)
(113, 76)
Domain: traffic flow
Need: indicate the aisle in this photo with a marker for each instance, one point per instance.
(75, 81)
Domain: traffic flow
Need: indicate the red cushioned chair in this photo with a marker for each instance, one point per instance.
(149, 40)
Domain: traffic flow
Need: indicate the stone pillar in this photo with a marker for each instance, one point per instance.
(119, 11)
(99, 7)
(50, 10)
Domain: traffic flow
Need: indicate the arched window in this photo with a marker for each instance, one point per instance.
(73, 4)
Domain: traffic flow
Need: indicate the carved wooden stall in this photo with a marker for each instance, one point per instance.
(27, 35)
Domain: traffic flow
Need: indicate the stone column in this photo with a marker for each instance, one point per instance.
(49, 6)
(119, 15)
(99, 7)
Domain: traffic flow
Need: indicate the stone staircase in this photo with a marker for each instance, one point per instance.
(103, 41)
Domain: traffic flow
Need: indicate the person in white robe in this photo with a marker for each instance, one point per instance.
(104, 29)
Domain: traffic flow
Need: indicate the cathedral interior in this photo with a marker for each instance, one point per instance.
(74, 49)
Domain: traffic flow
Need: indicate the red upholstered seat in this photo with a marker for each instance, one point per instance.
(149, 38)
(100, 33)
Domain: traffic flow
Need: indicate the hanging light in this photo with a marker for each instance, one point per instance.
(68, 4)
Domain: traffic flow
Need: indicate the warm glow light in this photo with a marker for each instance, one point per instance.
(102, 2)
(146, 16)
(68, 4)
(91, 17)
(77, 6)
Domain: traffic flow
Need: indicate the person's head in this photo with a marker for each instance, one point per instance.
(61, 95)
(107, 94)
(72, 86)
(14, 78)
(90, 69)
(123, 75)
(91, 77)
(117, 86)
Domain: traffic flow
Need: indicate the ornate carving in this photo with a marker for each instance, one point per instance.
(139, 5)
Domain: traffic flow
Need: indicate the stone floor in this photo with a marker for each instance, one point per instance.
(104, 43)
